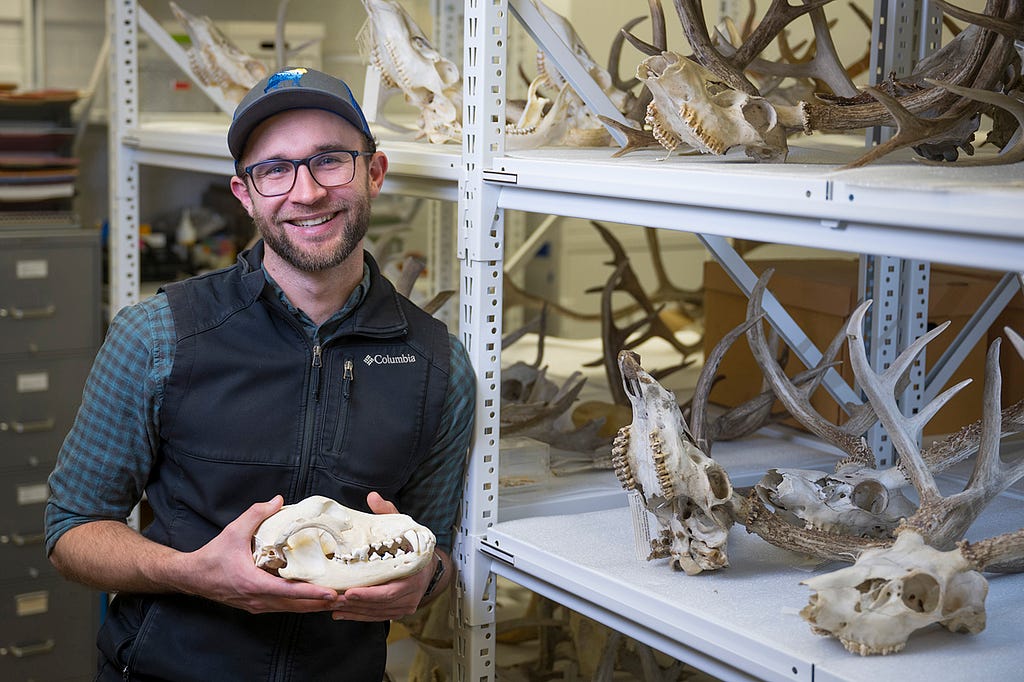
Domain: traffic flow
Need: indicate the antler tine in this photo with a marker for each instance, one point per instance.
(910, 129)
(779, 15)
(1011, 29)
(706, 379)
(1012, 154)
(944, 521)
(880, 390)
(797, 402)
(695, 28)
(1015, 339)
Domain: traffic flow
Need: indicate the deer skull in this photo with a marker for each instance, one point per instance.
(694, 107)
(687, 491)
(875, 605)
(855, 500)
(320, 541)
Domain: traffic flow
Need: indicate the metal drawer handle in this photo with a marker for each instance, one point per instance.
(33, 649)
(29, 427)
(23, 314)
(23, 540)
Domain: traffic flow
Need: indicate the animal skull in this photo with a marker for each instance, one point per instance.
(694, 107)
(396, 46)
(855, 500)
(688, 492)
(320, 541)
(873, 606)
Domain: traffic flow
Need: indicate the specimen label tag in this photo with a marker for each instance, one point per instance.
(641, 526)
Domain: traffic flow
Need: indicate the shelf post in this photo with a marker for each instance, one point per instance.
(123, 105)
(480, 235)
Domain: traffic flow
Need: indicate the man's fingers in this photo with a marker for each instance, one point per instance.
(378, 505)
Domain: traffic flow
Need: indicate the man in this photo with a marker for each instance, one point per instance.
(297, 371)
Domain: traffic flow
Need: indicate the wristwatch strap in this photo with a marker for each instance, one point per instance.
(436, 578)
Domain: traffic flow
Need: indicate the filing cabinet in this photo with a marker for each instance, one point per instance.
(50, 330)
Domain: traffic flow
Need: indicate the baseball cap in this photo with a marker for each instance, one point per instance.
(292, 88)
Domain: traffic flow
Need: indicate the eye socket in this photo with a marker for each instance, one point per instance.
(715, 88)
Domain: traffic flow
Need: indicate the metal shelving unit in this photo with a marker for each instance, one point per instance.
(902, 210)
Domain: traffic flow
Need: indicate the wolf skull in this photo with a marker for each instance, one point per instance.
(694, 107)
(855, 500)
(873, 606)
(320, 541)
(687, 491)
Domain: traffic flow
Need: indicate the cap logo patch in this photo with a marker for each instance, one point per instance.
(289, 76)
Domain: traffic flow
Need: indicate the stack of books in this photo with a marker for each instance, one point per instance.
(37, 168)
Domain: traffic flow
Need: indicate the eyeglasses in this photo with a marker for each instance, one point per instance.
(330, 169)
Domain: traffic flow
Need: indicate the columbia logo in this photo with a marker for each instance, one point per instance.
(389, 359)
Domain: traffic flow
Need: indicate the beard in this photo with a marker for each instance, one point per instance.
(330, 255)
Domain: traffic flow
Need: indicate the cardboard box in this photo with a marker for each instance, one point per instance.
(820, 295)
(1010, 363)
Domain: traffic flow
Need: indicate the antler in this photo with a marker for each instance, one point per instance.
(797, 400)
(942, 521)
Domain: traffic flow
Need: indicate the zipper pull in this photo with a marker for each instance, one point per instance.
(318, 362)
(347, 377)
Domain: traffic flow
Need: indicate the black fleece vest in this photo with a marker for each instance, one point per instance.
(252, 409)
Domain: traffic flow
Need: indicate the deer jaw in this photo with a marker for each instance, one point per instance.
(688, 492)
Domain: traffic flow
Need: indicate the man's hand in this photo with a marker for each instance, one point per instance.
(224, 571)
(394, 599)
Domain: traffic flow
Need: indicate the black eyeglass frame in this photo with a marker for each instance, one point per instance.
(296, 163)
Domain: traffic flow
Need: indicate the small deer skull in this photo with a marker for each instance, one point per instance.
(687, 491)
(875, 605)
(694, 107)
(855, 500)
(320, 541)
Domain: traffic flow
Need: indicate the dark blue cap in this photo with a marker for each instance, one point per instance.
(292, 88)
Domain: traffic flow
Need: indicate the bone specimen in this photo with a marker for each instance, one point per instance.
(320, 541)
(393, 42)
(691, 107)
(688, 493)
(873, 606)
(938, 578)
(215, 60)
(936, 120)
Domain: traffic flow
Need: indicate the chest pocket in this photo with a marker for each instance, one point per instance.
(373, 433)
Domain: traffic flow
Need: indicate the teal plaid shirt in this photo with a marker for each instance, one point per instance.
(106, 459)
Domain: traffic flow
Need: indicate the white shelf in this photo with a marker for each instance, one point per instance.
(895, 207)
(742, 622)
(198, 142)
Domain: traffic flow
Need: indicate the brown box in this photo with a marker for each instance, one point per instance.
(820, 295)
(1012, 316)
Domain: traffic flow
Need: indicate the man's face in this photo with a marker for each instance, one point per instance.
(312, 228)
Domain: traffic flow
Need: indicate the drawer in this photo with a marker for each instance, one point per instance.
(49, 292)
(22, 527)
(23, 495)
(47, 631)
(39, 397)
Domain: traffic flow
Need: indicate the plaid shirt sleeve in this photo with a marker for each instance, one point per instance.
(106, 457)
(433, 494)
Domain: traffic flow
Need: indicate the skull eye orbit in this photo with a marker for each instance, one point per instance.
(715, 88)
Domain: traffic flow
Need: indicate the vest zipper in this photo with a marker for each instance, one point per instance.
(307, 436)
(318, 362)
(347, 378)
